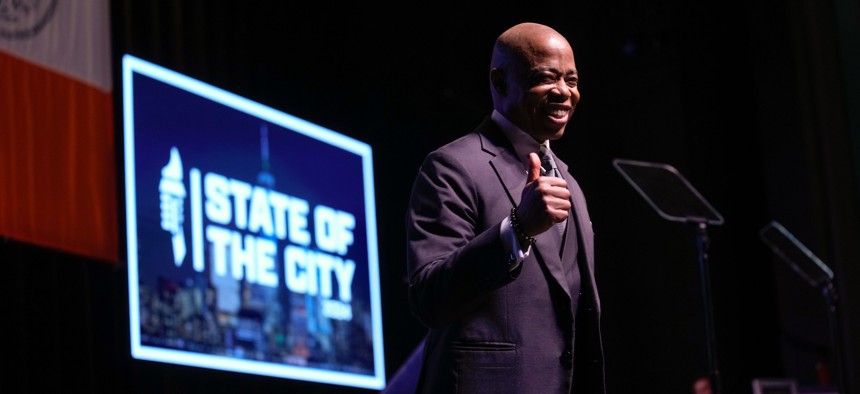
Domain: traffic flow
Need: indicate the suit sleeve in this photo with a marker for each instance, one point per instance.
(453, 264)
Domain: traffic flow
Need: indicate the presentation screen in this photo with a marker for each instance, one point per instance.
(251, 235)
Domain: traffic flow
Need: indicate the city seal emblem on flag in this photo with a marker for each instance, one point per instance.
(21, 19)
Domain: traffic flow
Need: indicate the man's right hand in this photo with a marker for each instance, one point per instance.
(544, 202)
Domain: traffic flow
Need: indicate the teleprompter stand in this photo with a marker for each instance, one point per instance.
(675, 199)
(801, 260)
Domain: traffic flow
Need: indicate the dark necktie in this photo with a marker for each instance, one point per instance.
(548, 168)
(546, 162)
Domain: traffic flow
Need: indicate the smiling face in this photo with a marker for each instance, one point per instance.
(534, 80)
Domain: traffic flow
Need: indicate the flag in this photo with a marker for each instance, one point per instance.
(57, 161)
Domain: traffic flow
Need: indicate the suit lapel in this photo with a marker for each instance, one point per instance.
(583, 234)
(572, 234)
(503, 160)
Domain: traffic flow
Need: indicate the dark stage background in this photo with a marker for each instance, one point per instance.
(755, 102)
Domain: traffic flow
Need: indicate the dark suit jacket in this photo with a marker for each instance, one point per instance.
(491, 330)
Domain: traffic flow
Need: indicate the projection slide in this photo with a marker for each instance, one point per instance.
(251, 235)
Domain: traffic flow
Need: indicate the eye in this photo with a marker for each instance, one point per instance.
(544, 77)
(547, 79)
(572, 82)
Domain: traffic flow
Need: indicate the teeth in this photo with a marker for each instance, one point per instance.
(557, 112)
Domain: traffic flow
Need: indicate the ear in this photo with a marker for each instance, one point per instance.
(497, 79)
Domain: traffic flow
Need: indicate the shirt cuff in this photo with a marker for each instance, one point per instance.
(511, 242)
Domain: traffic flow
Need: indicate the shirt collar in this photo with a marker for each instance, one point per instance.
(523, 142)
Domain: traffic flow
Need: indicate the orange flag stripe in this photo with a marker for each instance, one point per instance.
(57, 163)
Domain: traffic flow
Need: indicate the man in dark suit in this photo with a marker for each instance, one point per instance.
(500, 248)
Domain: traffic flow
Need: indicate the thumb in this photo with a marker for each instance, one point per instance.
(534, 167)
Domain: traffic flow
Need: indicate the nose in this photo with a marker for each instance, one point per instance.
(562, 89)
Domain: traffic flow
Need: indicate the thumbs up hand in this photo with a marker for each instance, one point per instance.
(545, 200)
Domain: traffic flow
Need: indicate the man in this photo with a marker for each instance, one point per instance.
(500, 251)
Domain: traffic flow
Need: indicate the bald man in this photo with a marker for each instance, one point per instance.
(500, 249)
